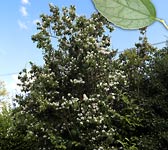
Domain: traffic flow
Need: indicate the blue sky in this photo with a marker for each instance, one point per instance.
(18, 25)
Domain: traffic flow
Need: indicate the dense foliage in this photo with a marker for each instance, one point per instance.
(86, 98)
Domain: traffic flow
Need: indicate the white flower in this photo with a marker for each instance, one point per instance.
(89, 117)
(105, 84)
(104, 126)
(85, 98)
(98, 95)
(80, 114)
(100, 148)
(103, 131)
(93, 138)
(106, 89)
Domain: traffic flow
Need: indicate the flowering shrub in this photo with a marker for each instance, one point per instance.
(82, 98)
(76, 100)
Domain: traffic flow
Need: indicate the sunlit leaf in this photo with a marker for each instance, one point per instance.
(127, 14)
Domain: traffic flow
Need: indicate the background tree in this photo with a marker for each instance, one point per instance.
(156, 104)
(5, 118)
(3, 91)
(146, 69)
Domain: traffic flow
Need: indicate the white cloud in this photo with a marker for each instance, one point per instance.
(25, 2)
(23, 11)
(13, 85)
(22, 25)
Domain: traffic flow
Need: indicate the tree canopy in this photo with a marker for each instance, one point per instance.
(84, 96)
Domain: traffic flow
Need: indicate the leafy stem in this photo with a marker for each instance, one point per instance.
(163, 22)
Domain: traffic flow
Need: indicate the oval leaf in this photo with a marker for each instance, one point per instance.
(127, 14)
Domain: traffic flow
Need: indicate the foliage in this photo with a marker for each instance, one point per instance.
(5, 123)
(156, 122)
(83, 97)
(146, 70)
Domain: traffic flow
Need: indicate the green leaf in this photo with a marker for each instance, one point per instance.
(127, 14)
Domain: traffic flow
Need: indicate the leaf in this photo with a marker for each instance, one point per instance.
(127, 14)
